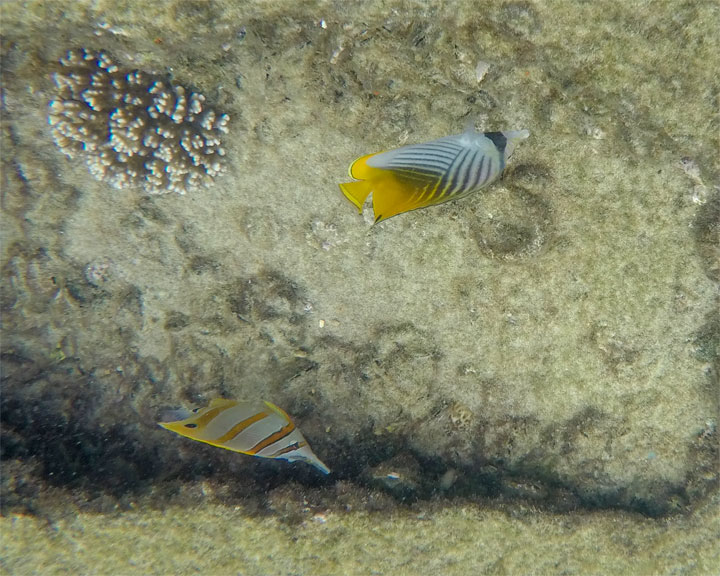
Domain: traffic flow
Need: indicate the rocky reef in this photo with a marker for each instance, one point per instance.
(546, 349)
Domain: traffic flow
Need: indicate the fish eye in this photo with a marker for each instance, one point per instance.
(196, 410)
(191, 425)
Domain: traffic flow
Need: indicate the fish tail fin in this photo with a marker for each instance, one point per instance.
(517, 134)
(514, 137)
(357, 192)
(470, 126)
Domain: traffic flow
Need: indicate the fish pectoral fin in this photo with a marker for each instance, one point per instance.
(357, 192)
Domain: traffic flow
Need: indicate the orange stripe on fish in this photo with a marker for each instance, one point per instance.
(288, 449)
(239, 427)
(246, 427)
(279, 435)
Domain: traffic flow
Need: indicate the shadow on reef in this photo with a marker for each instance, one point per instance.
(80, 414)
(54, 438)
(54, 416)
(707, 232)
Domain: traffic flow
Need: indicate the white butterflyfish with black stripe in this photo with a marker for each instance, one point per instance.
(426, 174)
(255, 428)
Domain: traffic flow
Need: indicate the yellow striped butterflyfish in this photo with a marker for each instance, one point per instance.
(255, 428)
(426, 174)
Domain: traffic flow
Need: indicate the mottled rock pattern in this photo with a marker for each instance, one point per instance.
(553, 340)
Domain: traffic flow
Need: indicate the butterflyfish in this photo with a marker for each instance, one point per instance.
(426, 174)
(255, 428)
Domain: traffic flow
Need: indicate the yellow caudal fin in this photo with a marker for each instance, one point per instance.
(392, 194)
(360, 170)
(357, 192)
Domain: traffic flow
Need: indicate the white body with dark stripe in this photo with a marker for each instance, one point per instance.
(258, 429)
(431, 173)
(451, 167)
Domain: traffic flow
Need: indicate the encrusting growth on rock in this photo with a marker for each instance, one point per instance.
(134, 129)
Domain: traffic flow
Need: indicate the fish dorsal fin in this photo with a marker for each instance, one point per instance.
(222, 402)
(277, 410)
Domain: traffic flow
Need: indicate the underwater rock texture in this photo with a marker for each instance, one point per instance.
(215, 539)
(553, 339)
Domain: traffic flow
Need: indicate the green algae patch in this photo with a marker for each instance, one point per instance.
(464, 539)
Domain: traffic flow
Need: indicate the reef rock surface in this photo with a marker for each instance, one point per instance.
(554, 338)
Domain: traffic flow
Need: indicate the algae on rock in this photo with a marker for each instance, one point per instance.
(566, 309)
